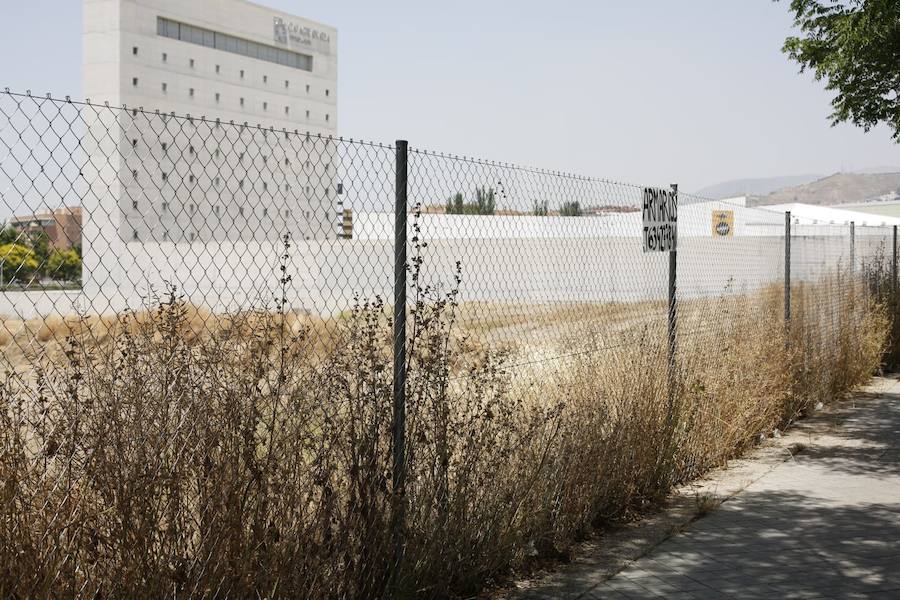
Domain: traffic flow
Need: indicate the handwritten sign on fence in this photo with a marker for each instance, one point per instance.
(660, 220)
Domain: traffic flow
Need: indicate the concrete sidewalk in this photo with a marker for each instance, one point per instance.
(821, 521)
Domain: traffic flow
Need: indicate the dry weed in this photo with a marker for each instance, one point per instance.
(173, 452)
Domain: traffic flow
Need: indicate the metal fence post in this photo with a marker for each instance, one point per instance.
(398, 516)
(787, 269)
(852, 247)
(672, 350)
(894, 265)
(673, 306)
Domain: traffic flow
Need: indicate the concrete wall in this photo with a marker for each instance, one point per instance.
(572, 266)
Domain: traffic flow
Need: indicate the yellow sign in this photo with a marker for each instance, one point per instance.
(723, 223)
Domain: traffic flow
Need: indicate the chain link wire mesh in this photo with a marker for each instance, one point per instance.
(174, 387)
(197, 341)
(529, 275)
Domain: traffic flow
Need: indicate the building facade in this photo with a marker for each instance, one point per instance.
(229, 107)
(62, 226)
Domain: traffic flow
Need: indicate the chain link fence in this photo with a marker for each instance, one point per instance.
(223, 377)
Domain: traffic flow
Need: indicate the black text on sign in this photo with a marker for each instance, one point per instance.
(660, 220)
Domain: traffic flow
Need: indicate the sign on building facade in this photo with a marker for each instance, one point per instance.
(723, 223)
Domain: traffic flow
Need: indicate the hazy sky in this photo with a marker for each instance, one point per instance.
(646, 91)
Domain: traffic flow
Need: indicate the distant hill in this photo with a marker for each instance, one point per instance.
(840, 188)
(754, 187)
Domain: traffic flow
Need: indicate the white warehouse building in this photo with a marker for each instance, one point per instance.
(225, 63)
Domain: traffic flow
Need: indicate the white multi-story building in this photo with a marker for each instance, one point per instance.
(253, 161)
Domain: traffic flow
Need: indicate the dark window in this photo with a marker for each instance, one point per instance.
(168, 28)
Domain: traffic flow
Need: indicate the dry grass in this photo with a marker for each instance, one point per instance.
(173, 453)
(496, 320)
(28, 342)
(707, 503)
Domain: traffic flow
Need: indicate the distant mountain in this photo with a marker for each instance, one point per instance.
(840, 188)
(753, 187)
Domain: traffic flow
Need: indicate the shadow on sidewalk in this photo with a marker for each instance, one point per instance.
(765, 542)
(825, 524)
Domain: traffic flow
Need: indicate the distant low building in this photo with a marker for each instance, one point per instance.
(834, 215)
(62, 226)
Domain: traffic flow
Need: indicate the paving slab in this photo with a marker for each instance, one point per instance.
(813, 514)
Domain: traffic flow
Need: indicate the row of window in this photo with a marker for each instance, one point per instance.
(241, 73)
(307, 166)
(188, 120)
(218, 183)
(229, 43)
(191, 236)
(193, 209)
(217, 153)
(217, 210)
(241, 101)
